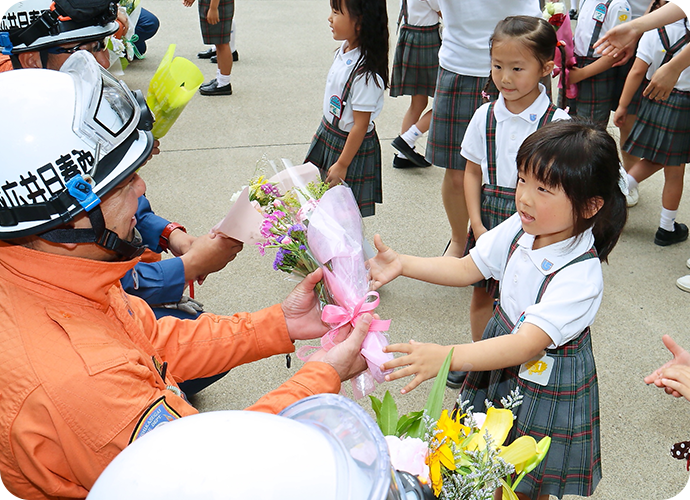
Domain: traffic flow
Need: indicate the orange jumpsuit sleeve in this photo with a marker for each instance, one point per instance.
(214, 344)
(313, 378)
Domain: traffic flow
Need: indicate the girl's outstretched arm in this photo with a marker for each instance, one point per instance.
(449, 271)
(338, 171)
(424, 360)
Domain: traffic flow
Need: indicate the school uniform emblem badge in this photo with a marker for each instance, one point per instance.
(546, 265)
(533, 116)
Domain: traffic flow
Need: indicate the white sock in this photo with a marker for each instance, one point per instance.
(667, 219)
(221, 79)
(411, 136)
(632, 183)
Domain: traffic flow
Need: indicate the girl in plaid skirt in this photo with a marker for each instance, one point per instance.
(346, 146)
(571, 211)
(415, 69)
(660, 135)
(522, 49)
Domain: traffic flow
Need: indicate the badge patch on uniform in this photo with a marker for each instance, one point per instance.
(159, 413)
(623, 17)
(600, 13)
(532, 116)
(519, 323)
(546, 265)
(537, 370)
(336, 106)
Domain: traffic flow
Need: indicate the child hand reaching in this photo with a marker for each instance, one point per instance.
(385, 267)
(673, 376)
(422, 360)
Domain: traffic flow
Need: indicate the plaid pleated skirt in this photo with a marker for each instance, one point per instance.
(415, 64)
(498, 203)
(456, 99)
(599, 95)
(218, 33)
(567, 409)
(661, 133)
(363, 174)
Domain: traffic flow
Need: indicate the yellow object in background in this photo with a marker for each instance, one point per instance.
(172, 86)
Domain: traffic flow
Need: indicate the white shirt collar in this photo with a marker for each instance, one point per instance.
(533, 113)
(350, 57)
(553, 257)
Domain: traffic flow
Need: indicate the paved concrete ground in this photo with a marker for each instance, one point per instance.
(285, 51)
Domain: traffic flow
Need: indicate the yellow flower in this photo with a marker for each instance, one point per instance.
(439, 455)
(498, 423)
(519, 452)
(449, 427)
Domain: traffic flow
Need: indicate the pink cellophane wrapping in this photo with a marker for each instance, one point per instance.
(565, 34)
(335, 236)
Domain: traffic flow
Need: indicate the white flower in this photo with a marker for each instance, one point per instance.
(559, 8)
(236, 195)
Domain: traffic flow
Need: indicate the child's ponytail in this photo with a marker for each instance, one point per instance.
(582, 158)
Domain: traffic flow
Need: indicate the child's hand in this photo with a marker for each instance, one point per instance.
(662, 83)
(680, 357)
(212, 16)
(676, 380)
(619, 116)
(422, 360)
(187, 3)
(336, 174)
(385, 267)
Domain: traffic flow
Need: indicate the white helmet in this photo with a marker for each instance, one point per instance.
(323, 447)
(76, 134)
(40, 24)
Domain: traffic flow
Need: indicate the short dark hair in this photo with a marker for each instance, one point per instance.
(580, 157)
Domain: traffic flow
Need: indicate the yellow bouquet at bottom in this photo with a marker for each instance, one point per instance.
(464, 453)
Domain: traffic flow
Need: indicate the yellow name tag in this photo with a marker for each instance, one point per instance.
(537, 370)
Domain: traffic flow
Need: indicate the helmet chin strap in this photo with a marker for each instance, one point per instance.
(81, 191)
(100, 235)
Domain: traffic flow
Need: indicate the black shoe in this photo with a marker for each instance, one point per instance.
(402, 163)
(412, 155)
(214, 59)
(455, 379)
(665, 238)
(213, 89)
(209, 84)
(207, 54)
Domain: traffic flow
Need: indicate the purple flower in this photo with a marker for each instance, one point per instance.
(302, 247)
(279, 214)
(296, 227)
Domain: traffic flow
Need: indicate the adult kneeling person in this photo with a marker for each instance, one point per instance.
(86, 369)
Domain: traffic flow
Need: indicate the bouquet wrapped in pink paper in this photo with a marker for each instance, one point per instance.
(311, 226)
(564, 58)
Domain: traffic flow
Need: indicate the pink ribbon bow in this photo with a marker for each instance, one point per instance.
(375, 341)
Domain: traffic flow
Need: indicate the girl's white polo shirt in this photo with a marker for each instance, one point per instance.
(573, 297)
(422, 12)
(618, 12)
(365, 94)
(652, 52)
(511, 131)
